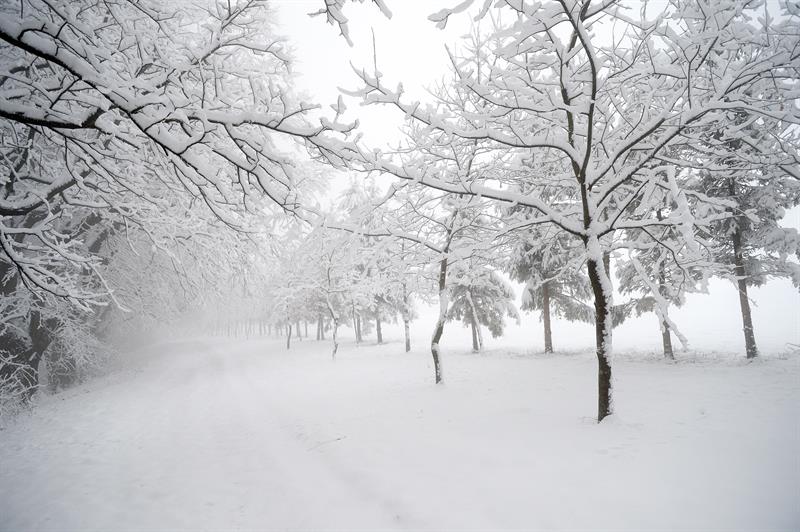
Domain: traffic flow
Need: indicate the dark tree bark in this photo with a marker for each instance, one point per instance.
(439, 329)
(406, 321)
(443, 301)
(62, 372)
(477, 338)
(666, 336)
(288, 335)
(378, 330)
(19, 352)
(357, 325)
(548, 335)
(602, 310)
(25, 357)
(744, 300)
(475, 346)
(666, 341)
(335, 338)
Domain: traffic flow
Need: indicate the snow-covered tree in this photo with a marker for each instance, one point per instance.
(743, 163)
(101, 100)
(126, 119)
(555, 284)
(659, 276)
(605, 119)
(479, 296)
(334, 14)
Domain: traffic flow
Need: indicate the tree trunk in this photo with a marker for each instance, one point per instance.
(306, 327)
(548, 335)
(666, 337)
(666, 341)
(378, 330)
(475, 347)
(297, 328)
(744, 301)
(357, 325)
(602, 329)
(29, 358)
(23, 364)
(439, 329)
(288, 335)
(335, 338)
(476, 325)
(406, 321)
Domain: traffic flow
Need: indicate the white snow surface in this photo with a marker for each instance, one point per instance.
(212, 433)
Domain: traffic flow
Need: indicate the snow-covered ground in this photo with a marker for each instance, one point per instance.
(213, 433)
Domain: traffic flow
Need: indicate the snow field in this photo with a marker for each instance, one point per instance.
(219, 434)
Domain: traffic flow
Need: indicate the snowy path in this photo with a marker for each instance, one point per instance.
(210, 436)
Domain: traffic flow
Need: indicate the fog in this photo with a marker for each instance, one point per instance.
(403, 264)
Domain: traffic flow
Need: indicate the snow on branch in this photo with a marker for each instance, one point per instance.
(334, 13)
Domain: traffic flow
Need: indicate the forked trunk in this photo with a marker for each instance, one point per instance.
(548, 335)
(477, 337)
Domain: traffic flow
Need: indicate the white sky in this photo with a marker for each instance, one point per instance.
(412, 50)
(409, 49)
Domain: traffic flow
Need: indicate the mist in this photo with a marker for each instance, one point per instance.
(327, 264)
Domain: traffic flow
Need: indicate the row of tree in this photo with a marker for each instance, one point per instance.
(151, 167)
(668, 140)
